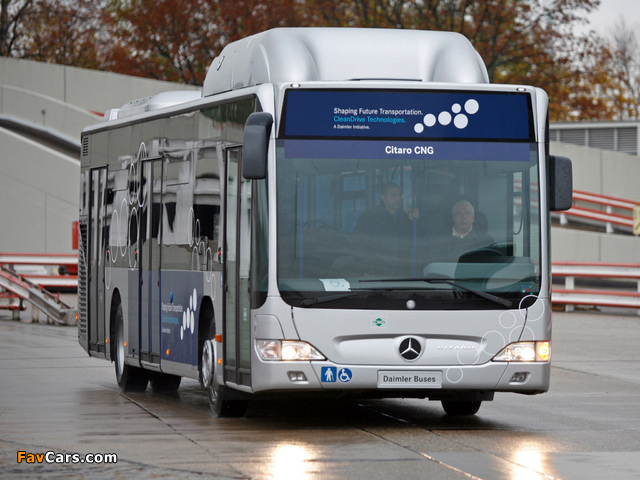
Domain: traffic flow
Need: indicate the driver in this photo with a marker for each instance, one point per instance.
(463, 236)
(385, 232)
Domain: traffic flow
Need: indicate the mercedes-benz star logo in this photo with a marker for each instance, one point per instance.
(410, 348)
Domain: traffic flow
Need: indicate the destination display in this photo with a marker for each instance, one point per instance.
(408, 114)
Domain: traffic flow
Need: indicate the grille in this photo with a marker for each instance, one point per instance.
(83, 285)
(602, 138)
(628, 140)
(85, 146)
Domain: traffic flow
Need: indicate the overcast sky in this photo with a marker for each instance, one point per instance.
(604, 19)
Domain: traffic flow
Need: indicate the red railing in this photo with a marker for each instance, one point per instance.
(50, 271)
(609, 212)
(28, 277)
(609, 276)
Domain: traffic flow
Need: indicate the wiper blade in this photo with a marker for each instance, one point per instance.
(479, 293)
(307, 302)
(448, 281)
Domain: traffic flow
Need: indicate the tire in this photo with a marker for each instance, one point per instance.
(461, 407)
(165, 382)
(130, 379)
(221, 399)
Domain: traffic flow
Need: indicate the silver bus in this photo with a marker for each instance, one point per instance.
(343, 212)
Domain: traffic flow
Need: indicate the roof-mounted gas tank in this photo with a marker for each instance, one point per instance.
(342, 54)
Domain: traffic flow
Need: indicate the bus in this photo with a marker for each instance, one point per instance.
(341, 212)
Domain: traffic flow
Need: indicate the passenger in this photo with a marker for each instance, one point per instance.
(384, 234)
(462, 238)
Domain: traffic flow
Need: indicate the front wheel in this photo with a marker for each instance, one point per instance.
(461, 407)
(221, 403)
(221, 399)
(130, 379)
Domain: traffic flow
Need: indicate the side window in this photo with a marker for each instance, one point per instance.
(207, 199)
(191, 207)
(117, 203)
(178, 230)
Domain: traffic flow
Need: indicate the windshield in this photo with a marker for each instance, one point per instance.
(365, 222)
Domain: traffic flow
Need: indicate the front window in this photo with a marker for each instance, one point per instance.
(371, 222)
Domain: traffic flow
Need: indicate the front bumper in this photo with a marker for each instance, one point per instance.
(366, 380)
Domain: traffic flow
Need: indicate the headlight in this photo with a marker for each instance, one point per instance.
(287, 350)
(525, 352)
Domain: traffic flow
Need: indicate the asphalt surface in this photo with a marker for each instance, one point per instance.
(59, 405)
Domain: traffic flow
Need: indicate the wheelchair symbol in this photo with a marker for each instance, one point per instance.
(345, 375)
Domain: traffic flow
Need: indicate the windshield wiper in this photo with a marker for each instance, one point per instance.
(454, 283)
(448, 281)
(307, 302)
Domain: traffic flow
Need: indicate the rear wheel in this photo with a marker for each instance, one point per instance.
(130, 379)
(461, 407)
(221, 399)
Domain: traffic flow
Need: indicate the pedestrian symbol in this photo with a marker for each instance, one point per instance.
(329, 374)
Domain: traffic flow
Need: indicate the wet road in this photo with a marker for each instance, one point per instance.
(53, 398)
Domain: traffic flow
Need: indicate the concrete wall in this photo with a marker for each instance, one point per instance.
(602, 171)
(580, 246)
(86, 89)
(39, 194)
(606, 173)
(39, 187)
(45, 112)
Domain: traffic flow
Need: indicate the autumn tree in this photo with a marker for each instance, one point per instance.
(521, 41)
(79, 36)
(176, 40)
(163, 39)
(241, 18)
(65, 32)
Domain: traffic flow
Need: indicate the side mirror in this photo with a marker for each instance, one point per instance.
(560, 183)
(255, 145)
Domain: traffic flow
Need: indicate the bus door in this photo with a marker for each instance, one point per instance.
(95, 260)
(237, 255)
(150, 221)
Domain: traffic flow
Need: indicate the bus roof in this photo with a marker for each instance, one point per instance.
(342, 54)
(329, 54)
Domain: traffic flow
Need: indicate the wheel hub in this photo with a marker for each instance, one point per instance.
(208, 363)
(120, 353)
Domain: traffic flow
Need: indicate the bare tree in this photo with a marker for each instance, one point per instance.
(12, 12)
(624, 68)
